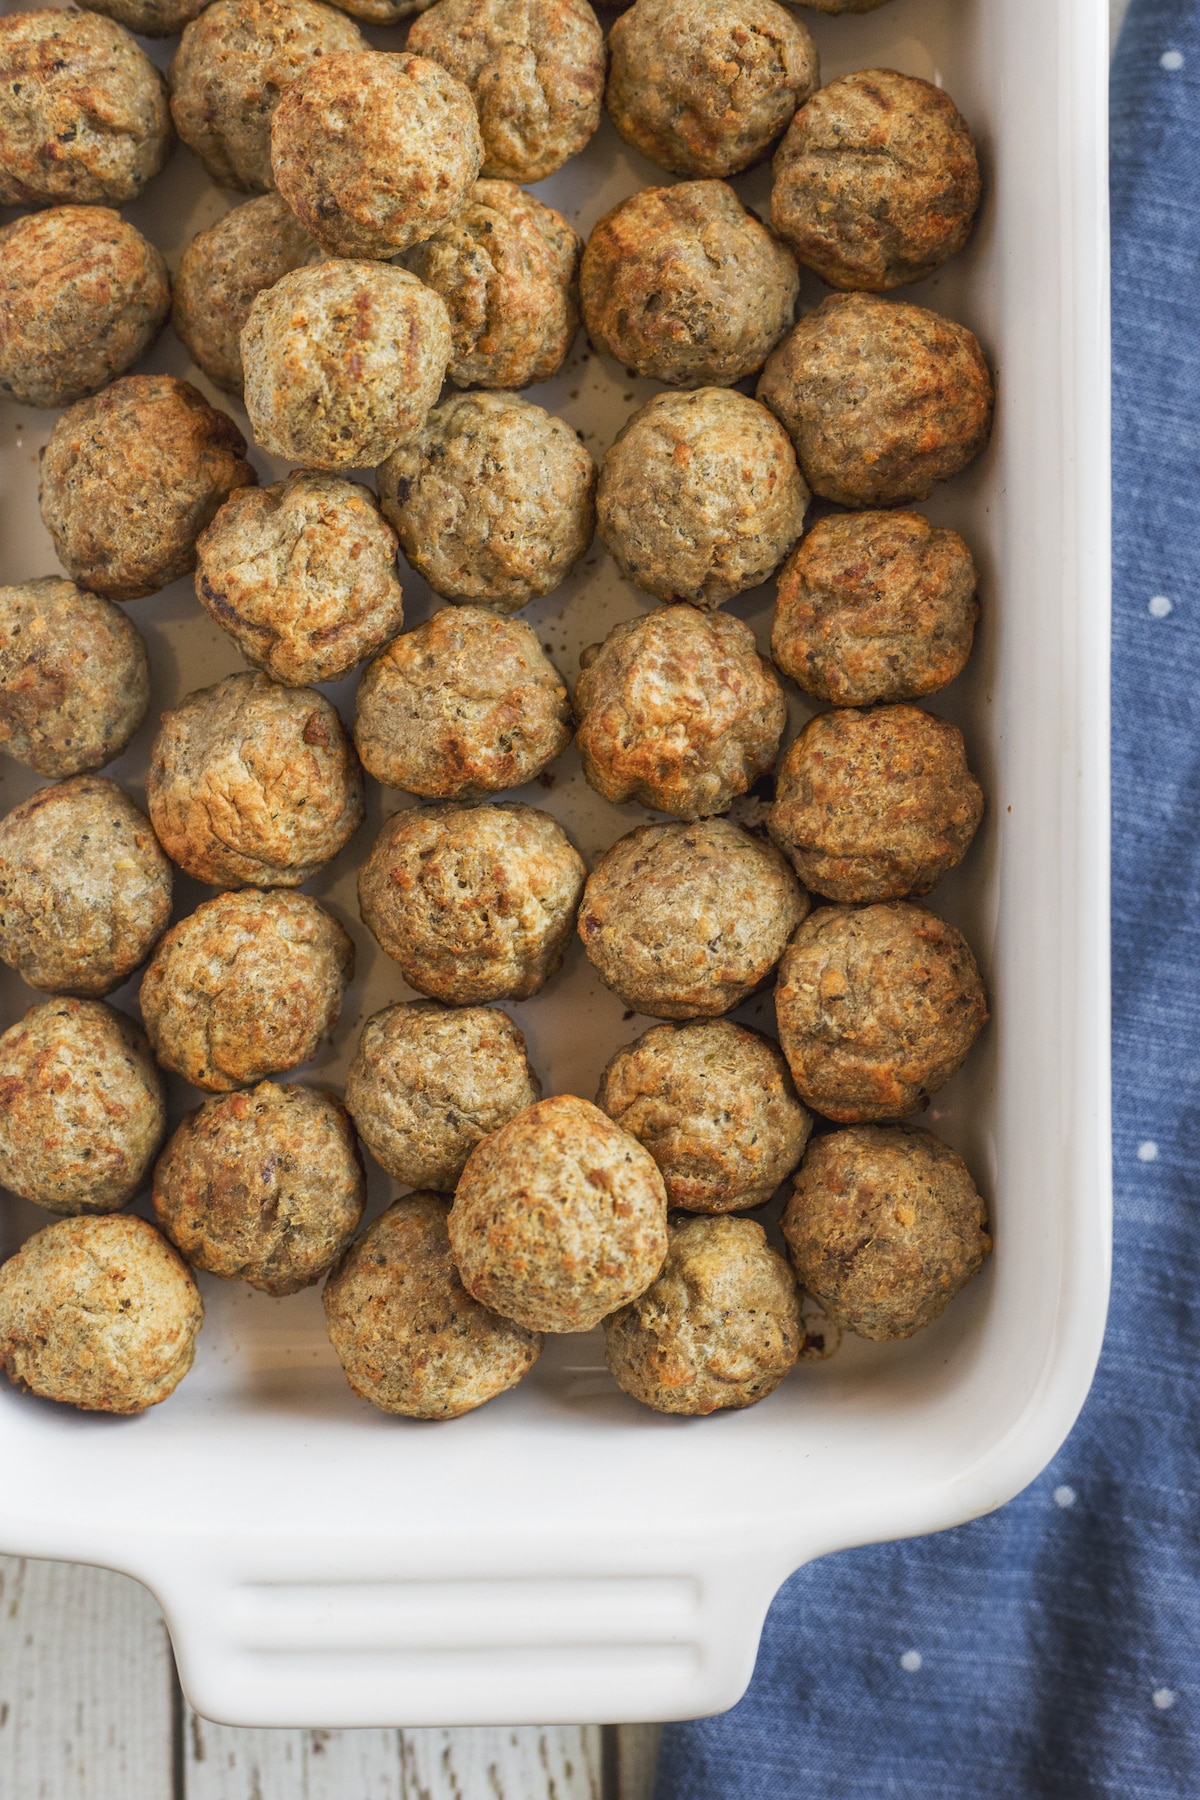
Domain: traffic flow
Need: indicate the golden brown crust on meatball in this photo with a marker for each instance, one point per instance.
(222, 270)
(381, 12)
(149, 18)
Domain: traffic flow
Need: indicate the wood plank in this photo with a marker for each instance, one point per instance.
(636, 1753)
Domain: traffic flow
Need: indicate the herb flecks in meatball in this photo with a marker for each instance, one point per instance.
(74, 677)
(221, 272)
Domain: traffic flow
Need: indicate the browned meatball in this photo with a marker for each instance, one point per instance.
(683, 921)
(882, 400)
(844, 6)
(74, 679)
(149, 18)
(875, 805)
(684, 285)
(678, 711)
(381, 12)
(475, 903)
(409, 1336)
(265, 1186)
(130, 479)
(877, 1008)
(466, 705)
(85, 890)
(249, 985)
(560, 1217)
(885, 1227)
(221, 272)
(253, 785)
(875, 606)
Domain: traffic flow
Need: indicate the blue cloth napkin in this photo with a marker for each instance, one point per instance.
(1052, 1649)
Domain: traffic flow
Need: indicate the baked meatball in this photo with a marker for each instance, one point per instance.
(265, 1186)
(493, 500)
(232, 67)
(683, 921)
(85, 890)
(506, 268)
(560, 1217)
(302, 575)
(131, 477)
(82, 296)
(249, 985)
(714, 1105)
(342, 362)
(253, 785)
(844, 6)
(222, 270)
(885, 1226)
(684, 285)
(875, 805)
(81, 1107)
(74, 679)
(882, 400)
(719, 1326)
(875, 606)
(678, 711)
(466, 705)
(876, 182)
(877, 1008)
(475, 903)
(98, 1313)
(149, 18)
(536, 74)
(83, 111)
(409, 1336)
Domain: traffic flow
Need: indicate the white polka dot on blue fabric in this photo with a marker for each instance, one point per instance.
(1160, 607)
(1171, 59)
(1163, 1698)
(1064, 1496)
(1147, 1152)
(910, 1662)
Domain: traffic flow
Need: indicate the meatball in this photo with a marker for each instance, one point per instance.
(719, 1326)
(149, 18)
(98, 1313)
(684, 285)
(81, 1107)
(876, 182)
(877, 1008)
(85, 890)
(409, 1336)
(506, 268)
(493, 500)
(535, 71)
(82, 296)
(253, 785)
(875, 805)
(700, 496)
(232, 67)
(875, 606)
(475, 903)
(83, 111)
(678, 711)
(882, 400)
(885, 1227)
(131, 477)
(302, 575)
(704, 87)
(683, 921)
(844, 6)
(560, 1217)
(74, 678)
(714, 1105)
(342, 362)
(265, 1186)
(247, 986)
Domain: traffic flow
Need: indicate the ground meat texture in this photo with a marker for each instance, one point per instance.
(493, 500)
(876, 182)
(535, 69)
(99, 1314)
(342, 362)
(381, 12)
(844, 6)
(249, 985)
(302, 575)
(877, 1008)
(253, 785)
(678, 711)
(882, 400)
(74, 679)
(885, 1226)
(875, 606)
(149, 18)
(683, 921)
(81, 1107)
(684, 285)
(85, 890)
(875, 805)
